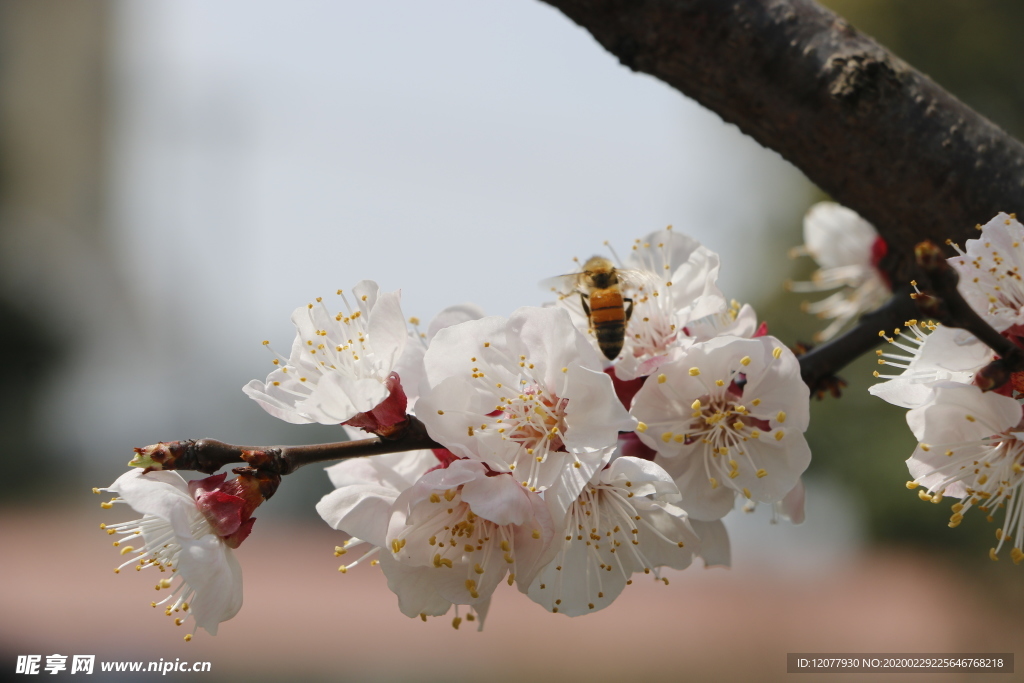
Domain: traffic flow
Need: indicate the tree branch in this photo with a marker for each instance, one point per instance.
(209, 455)
(871, 131)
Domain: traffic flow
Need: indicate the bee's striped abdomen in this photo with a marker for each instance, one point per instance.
(608, 318)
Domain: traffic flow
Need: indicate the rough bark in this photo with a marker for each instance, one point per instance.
(870, 130)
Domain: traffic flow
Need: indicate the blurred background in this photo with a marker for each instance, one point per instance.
(177, 176)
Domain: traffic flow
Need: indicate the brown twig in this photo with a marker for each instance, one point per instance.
(210, 455)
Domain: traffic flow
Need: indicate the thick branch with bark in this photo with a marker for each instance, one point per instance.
(870, 130)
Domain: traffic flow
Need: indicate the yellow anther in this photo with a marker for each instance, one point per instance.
(106, 506)
(746, 493)
(992, 555)
(188, 637)
(913, 485)
(713, 482)
(777, 352)
(781, 417)
(434, 498)
(455, 623)
(761, 474)
(696, 404)
(666, 437)
(127, 549)
(449, 494)
(745, 360)
(343, 569)
(694, 372)
(719, 383)
(779, 434)
(925, 496)
(641, 427)
(661, 380)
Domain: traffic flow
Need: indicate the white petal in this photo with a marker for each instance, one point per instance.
(210, 568)
(160, 493)
(714, 543)
(837, 236)
(415, 588)
(500, 499)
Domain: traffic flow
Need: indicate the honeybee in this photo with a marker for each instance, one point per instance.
(599, 285)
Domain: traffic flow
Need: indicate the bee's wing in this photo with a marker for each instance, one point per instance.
(561, 284)
(637, 280)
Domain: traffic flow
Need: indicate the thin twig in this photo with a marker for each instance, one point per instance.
(210, 455)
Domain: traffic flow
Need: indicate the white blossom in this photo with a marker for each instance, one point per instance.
(847, 249)
(727, 420)
(670, 280)
(340, 363)
(200, 574)
(457, 532)
(623, 522)
(525, 395)
(928, 354)
(991, 270)
(972, 449)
